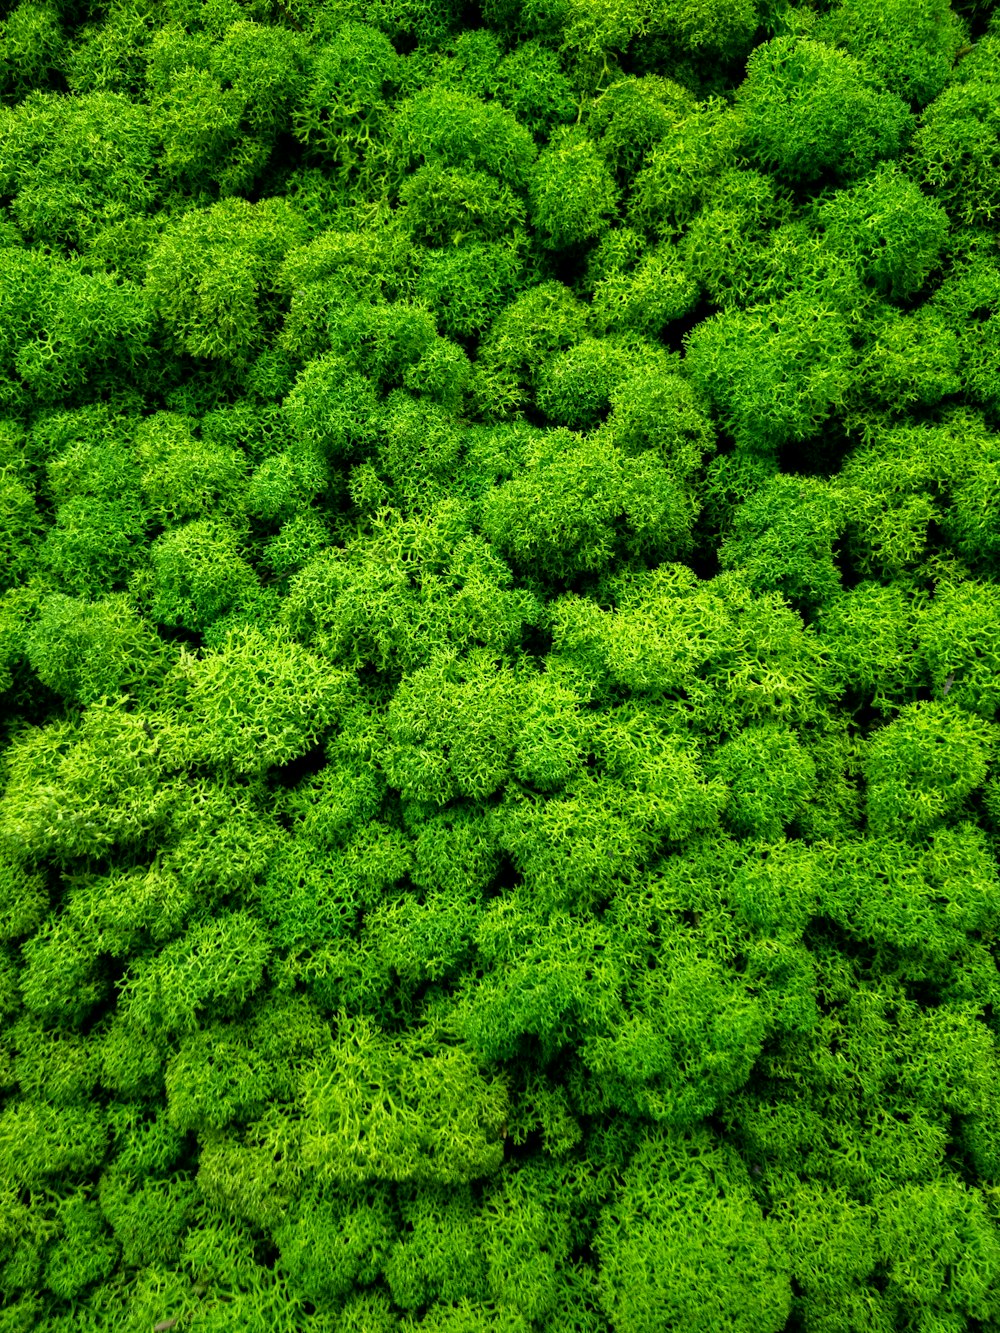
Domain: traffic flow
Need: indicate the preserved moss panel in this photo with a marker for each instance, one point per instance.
(499, 643)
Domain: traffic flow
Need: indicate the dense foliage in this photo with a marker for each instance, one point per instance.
(499, 666)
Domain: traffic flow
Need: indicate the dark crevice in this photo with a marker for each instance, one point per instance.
(505, 879)
(675, 334)
(296, 770)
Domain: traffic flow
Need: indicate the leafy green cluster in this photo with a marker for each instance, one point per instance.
(499, 659)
